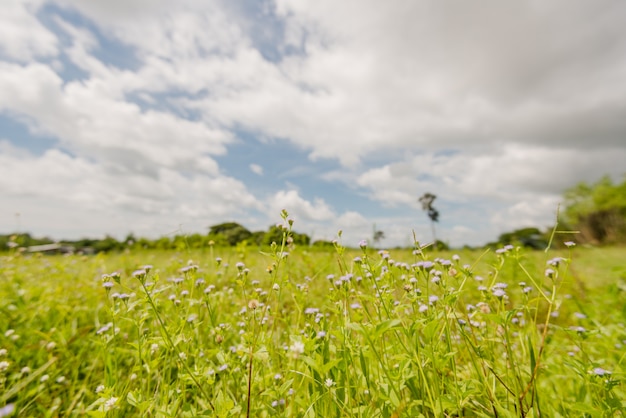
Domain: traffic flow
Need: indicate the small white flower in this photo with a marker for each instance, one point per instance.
(4, 365)
(276, 287)
(110, 403)
(297, 347)
(329, 382)
(100, 388)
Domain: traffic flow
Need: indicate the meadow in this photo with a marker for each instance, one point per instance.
(296, 332)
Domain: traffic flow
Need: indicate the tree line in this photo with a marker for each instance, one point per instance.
(591, 214)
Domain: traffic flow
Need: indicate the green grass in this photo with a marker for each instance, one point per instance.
(314, 334)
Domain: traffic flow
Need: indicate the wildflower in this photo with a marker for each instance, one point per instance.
(329, 382)
(578, 329)
(3, 352)
(60, 379)
(321, 334)
(100, 388)
(423, 308)
(527, 289)
(110, 403)
(104, 328)
(276, 287)
(240, 266)
(4, 365)
(222, 368)
(297, 347)
(599, 371)
(139, 274)
(311, 311)
(500, 286)
(580, 315)
(432, 299)
(44, 378)
(569, 244)
(357, 260)
(278, 376)
(499, 293)
(549, 273)
(363, 244)
(8, 409)
(107, 285)
(355, 306)
(25, 370)
(253, 304)
(555, 261)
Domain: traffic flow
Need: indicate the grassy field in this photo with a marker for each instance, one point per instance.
(302, 333)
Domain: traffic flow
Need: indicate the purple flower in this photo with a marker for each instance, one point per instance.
(599, 371)
(569, 243)
(363, 244)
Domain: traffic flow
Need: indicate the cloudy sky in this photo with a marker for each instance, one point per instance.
(159, 117)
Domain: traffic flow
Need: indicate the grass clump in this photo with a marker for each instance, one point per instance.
(290, 332)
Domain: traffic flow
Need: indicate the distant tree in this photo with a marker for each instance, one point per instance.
(598, 211)
(232, 232)
(106, 245)
(427, 205)
(378, 235)
(275, 234)
(257, 237)
(526, 237)
(320, 243)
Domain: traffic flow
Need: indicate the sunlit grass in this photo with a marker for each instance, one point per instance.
(295, 332)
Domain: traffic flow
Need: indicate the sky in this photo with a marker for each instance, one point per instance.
(162, 117)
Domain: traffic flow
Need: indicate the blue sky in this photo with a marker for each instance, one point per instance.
(159, 117)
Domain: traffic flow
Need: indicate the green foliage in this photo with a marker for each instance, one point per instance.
(232, 232)
(294, 332)
(275, 234)
(598, 211)
(526, 237)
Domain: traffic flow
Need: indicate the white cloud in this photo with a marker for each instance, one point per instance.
(22, 36)
(300, 208)
(256, 169)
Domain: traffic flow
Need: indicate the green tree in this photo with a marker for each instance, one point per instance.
(526, 237)
(598, 211)
(232, 232)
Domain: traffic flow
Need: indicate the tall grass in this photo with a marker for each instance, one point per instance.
(290, 332)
